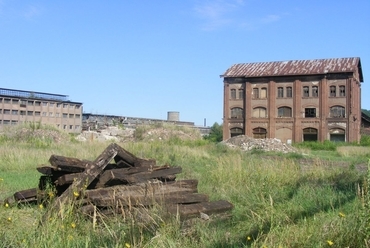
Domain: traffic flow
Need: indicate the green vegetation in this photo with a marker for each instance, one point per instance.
(319, 199)
(215, 134)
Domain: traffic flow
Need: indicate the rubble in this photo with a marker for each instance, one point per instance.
(246, 143)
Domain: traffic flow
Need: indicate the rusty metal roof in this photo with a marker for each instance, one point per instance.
(295, 67)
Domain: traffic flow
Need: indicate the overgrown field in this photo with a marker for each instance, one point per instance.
(280, 200)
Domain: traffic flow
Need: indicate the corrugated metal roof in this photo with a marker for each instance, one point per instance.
(295, 67)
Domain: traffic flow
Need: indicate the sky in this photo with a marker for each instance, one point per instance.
(146, 58)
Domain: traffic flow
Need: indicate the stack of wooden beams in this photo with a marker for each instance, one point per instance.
(117, 180)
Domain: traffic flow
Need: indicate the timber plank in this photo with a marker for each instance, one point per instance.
(149, 200)
(193, 210)
(68, 164)
(93, 169)
(126, 159)
(24, 195)
(120, 176)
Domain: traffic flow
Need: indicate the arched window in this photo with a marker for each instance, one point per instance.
(237, 113)
(337, 135)
(284, 112)
(337, 112)
(259, 112)
(256, 93)
(236, 131)
(310, 134)
(259, 133)
(233, 93)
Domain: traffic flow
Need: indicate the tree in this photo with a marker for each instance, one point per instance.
(215, 134)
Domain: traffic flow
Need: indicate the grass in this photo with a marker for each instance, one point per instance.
(280, 200)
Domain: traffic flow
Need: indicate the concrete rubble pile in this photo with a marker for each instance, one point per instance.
(246, 143)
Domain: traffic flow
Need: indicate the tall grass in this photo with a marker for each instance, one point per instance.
(277, 201)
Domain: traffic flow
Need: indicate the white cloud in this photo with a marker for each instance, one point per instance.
(217, 13)
(32, 11)
(271, 18)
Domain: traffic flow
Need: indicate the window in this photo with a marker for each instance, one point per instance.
(37, 113)
(233, 94)
(256, 93)
(29, 113)
(259, 112)
(337, 112)
(280, 92)
(237, 113)
(37, 103)
(23, 103)
(309, 112)
(50, 113)
(6, 100)
(57, 114)
(333, 91)
(284, 112)
(14, 112)
(23, 112)
(315, 91)
(306, 91)
(241, 94)
(77, 106)
(30, 103)
(6, 111)
(44, 104)
(264, 93)
(51, 104)
(43, 113)
(77, 127)
(236, 131)
(342, 90)
(15, 101)
(289, 92)
(65, 115)
(65, 105)
(71, 115)
(78, 116)
(6, 122)
(259, 133)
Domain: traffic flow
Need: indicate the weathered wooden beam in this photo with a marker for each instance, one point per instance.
(149, 200)
(26, 195)
(68, 164)
(46, 169)
(126, 159)
(194, 210)
(93, 169)
(127, 176)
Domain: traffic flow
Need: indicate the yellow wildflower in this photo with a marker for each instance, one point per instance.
(249, 238)
(330, 242)
(76, 194)
(73, 225)
(1, 179)
(41, 206)
(6, 205)
(51, 194)
(127, 245)
(9, 219)
(342, 215)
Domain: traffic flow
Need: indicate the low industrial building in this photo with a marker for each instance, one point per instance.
(19, 106)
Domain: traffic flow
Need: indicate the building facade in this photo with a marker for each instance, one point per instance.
(294, 101)
(18, 106)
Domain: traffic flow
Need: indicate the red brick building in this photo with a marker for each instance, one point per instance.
(294, 101)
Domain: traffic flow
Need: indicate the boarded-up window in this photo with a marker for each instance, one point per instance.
(284, 112)
(256, 93)
(259, 112)
(264, 93)
(309, 112)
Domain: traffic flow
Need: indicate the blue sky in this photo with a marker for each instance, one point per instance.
(145, 58)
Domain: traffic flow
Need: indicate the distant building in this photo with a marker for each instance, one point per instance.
(18, 106)
(294, 101)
